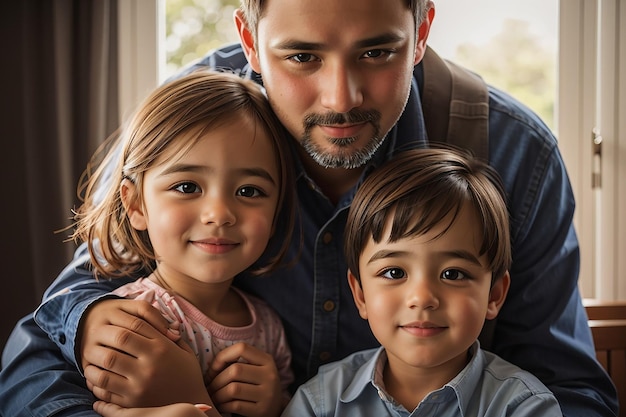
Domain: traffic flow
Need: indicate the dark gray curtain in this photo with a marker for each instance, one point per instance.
(59, 95)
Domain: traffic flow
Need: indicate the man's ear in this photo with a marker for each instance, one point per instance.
(422, 33)
(246, 38)
(357, 294)
(497, 295)
(132, 205)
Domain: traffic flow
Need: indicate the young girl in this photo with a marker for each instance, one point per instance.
(202, 183)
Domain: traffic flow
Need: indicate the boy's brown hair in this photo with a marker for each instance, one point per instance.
(419, 188)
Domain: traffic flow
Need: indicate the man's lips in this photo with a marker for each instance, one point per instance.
(423, 328)
(342, 131)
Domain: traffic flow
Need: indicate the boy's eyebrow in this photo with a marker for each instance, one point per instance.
(453, 254)
(385, 253)
(463, 254)
(250, 172)
(294, 44)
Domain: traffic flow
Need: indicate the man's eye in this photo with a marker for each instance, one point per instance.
(250, 192)
(453, 275)
(393, 273)
(187, 188)
(302, 58)
(377, 53)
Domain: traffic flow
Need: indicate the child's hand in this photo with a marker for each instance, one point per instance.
(173, 410)
(245, 381)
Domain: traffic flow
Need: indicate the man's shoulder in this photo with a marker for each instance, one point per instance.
(230, 58)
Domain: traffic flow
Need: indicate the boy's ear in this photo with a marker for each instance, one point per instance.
(246, 38)
(357, 294)
(132, 205)
(497, 295)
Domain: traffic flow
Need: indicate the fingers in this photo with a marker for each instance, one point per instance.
(122, 325)
(128, 361)
(174, 410)
(107, 409)
(247, 382)
(239, 352)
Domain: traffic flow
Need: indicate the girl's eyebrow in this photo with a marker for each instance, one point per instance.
(250, 172)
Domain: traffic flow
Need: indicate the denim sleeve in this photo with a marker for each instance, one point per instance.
(67, 298)
(40, 376)
(542, 326)
(36, 380)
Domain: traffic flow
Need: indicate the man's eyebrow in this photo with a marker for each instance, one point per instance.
(296, 45)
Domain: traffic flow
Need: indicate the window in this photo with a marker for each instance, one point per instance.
(512, 45)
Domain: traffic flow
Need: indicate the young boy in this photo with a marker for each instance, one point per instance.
(428, 251)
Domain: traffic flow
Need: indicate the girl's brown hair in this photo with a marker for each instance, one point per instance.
(193, 104)
(420, 188)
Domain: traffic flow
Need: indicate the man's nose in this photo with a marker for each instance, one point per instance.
(341, 88)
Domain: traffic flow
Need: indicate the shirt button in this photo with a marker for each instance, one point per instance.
(328, 306)
(62, 339)
(328, 237)
(324, 356)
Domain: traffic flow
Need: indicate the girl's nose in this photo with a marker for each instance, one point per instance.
(218, 210)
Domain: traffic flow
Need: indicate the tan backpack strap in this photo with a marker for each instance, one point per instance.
(455, 103)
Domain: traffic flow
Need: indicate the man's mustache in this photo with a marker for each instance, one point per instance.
(352, 117)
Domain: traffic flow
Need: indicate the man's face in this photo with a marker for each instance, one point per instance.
(337, 73)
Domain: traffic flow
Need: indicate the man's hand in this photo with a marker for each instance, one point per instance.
(128, 359)
(175, 410)
(244, 380)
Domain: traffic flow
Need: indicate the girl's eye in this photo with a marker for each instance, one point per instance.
(187, 188)
(453, 275)
(393, 273)
(250, 192)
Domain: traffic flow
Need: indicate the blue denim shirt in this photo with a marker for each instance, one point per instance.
(542, 327)
(488, 387)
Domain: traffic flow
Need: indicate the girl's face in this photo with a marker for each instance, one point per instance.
(209, 213)
(426, 297)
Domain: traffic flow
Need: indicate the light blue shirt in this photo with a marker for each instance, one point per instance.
(488, 387)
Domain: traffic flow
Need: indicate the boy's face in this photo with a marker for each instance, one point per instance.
(337, 73)
(426, 298)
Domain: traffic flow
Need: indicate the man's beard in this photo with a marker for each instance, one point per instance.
(344, 159)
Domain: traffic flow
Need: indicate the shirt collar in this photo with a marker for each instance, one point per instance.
(460, 387)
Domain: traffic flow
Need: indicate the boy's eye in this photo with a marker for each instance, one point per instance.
(453, 275)
(393, 273)
(187, 188)
(249, 192)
